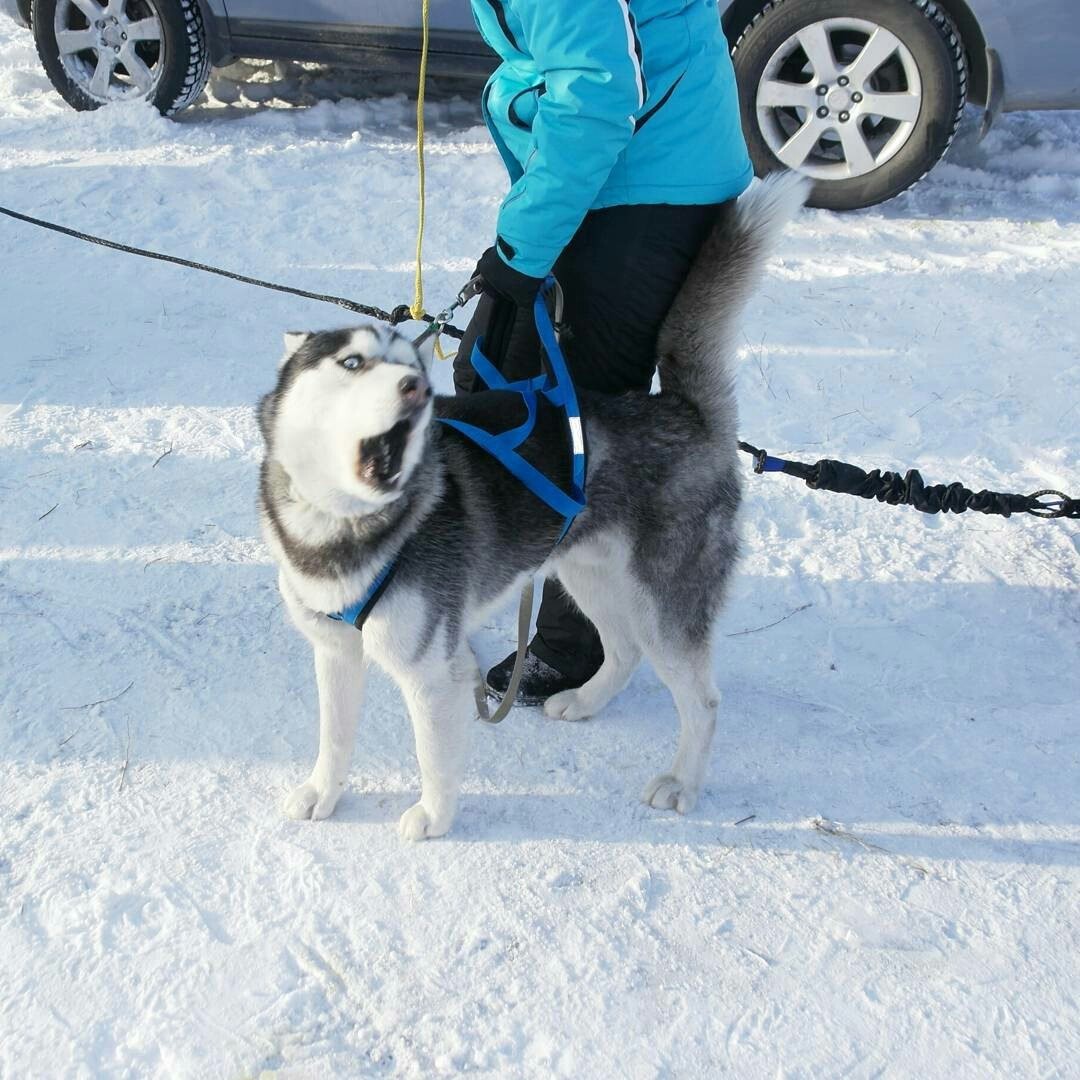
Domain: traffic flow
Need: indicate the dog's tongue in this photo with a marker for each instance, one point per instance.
(379, 459)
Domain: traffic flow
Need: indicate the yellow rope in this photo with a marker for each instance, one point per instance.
(417, 309)
(418, 286)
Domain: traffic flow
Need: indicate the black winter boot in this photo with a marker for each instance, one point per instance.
(538, 680)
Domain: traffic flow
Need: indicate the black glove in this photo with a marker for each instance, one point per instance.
(504, 282)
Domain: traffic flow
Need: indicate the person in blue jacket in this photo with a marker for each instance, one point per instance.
(618, 122)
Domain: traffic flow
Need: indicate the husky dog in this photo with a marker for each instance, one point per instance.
(357, 474)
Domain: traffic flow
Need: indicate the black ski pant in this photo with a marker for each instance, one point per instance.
(619, 275)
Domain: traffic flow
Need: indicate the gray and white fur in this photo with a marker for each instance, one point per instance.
(356, 473)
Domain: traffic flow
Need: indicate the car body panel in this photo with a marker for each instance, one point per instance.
(445, 14)
(381, 48)
(383, 34)
(1039, 44)
(1037, 41)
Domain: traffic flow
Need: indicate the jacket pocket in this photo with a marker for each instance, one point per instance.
(646, 116)
(674, 71)
(522, 107)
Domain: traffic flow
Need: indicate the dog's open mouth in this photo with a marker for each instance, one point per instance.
(380, 457)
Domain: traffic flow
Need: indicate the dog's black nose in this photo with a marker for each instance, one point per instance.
(414, 388)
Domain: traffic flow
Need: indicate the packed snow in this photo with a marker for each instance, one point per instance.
(881, 877)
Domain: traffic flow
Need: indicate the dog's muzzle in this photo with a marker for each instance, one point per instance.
(380, 457)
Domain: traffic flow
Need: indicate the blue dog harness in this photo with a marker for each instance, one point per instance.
(358, 612)
(557, 387)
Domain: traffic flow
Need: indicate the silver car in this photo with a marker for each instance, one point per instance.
(862, 95)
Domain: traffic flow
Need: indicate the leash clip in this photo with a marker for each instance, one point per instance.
(473, 287)
(759, 457)
(470, 289)
(1051, 508)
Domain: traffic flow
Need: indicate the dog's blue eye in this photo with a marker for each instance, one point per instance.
(351, 362)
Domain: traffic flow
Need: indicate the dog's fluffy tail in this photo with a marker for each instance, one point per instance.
(698, 336)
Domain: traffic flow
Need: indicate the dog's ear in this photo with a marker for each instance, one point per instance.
(294, 339)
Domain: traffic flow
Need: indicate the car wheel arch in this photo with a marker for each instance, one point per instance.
(218, 40)
(974, 41)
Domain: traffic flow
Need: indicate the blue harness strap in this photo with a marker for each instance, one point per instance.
(358, 612)
(558, 388)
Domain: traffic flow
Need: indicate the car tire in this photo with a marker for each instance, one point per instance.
(791, 63)
(154, 50)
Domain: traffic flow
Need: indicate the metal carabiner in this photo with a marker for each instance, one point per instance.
(470, 289)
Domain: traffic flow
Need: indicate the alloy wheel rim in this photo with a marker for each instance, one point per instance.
(112, 50)
(839, 98)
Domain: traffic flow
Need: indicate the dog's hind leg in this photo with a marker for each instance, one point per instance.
(687, 673)
(442, 704)
(339, 673)
(606, 603)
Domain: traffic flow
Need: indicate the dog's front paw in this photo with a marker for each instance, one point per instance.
(668, 792)
(569, 705)
(312, 799)
(417, 824)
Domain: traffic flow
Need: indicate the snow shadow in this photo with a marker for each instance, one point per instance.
(582, 819)
(942, 712)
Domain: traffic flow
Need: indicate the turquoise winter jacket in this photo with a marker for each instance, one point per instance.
(606, 103)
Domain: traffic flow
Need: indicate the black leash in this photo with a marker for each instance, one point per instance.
(402, 313)
(824, 475)
(910, 490)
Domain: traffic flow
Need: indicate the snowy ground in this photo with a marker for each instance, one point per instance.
(902, 901)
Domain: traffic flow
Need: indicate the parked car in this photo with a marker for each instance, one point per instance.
(862, 95)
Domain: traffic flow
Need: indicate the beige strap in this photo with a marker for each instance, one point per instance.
(524, 626)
